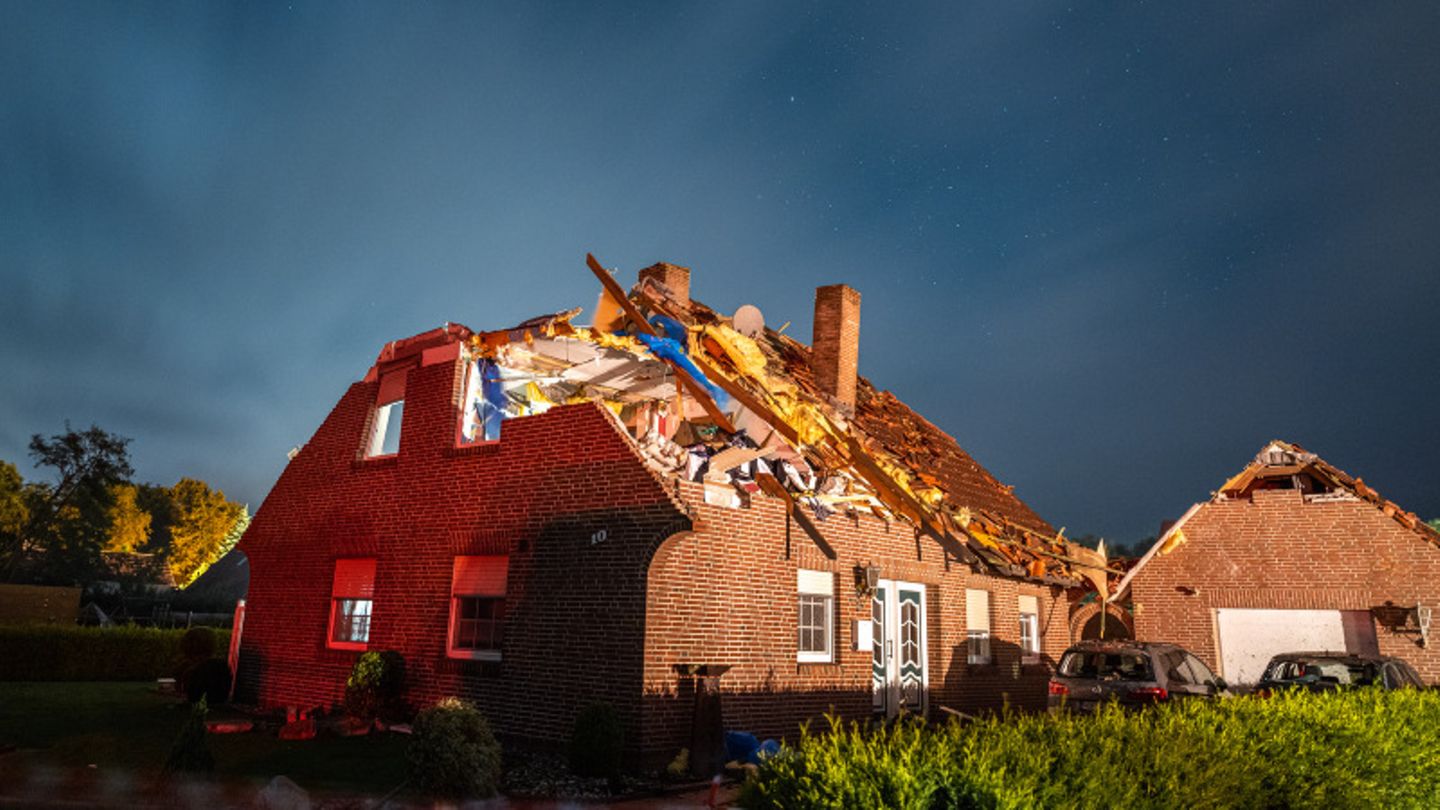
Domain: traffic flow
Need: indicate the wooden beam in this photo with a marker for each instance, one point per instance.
(712, 409)
(613, 287)
(772, 486)
(746, 399)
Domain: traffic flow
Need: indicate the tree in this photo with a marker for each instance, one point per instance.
(14, 515)
(1434, 523)
(89, 460)
(206, 526)
(129, 523)
(69, 520)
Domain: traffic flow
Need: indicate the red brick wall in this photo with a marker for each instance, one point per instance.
(581, 622)
(1281, 552)
(575, 609)
(726, 594)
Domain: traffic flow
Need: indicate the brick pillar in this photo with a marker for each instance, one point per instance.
(675, 278)
(835, 349)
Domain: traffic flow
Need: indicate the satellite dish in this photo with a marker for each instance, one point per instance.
(748, 321)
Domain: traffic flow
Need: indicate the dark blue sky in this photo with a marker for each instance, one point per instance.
(1111, 250)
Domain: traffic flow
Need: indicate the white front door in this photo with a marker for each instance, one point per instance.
(899, 675)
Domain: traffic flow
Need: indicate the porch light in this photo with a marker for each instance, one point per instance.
(866, 578)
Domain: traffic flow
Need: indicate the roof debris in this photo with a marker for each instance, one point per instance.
(742, 414)
(1282, 465)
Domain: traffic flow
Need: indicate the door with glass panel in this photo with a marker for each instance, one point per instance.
(898, 653)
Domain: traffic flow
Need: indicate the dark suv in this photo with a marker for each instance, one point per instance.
(1328, 671)
(1130, 673)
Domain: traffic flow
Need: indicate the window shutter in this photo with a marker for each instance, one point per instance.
(354, 578)
(977, 610)
(820, 583)
(392, 387)
(480, 576)
(1029, 604)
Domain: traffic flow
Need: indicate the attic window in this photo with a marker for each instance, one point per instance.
(484, 404)
(384, 437)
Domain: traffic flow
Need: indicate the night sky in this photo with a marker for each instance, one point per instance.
(1111, 250)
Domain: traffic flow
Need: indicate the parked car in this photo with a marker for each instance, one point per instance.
(1130, 673)
(1328, 671)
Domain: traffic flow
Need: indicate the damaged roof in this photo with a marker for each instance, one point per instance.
(742, 412)
(1285, 465)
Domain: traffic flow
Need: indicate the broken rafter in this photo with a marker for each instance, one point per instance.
(693, 386)
(772, 486)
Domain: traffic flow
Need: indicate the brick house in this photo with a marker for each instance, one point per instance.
(554, 514)
(1290, 555)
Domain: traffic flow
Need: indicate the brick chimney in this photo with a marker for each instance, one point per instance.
(835, 348)
(675, 278)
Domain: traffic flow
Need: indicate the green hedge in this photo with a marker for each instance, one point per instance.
(1364, 748)
(69, 653)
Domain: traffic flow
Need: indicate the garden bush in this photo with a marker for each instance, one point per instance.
(207, 680)
(452, 753)
(375, 686)
(190, 753)
(598, 741)
(1365, 748)
(73, 653)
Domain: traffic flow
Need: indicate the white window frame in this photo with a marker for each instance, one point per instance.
(810, 586)
(1030, 643)
(380, 430)
(977, 627)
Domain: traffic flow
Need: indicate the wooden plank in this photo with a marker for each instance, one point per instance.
(746, 399)
(772, 486)
(908, 504)
(712, 409)
(613, 287)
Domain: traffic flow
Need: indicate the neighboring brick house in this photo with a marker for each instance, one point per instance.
(1290, 555)
(545, 516)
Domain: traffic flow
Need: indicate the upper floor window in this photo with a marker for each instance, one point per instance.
(816, 590)
(352, 597)
(977, 626)
(384, 439)
(477, 606)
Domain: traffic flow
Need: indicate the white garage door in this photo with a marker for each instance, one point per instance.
(1249, 637)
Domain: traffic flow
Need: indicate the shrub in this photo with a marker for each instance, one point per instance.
(1365, 748)
(375, 686)
(197, 644)
(190, 753)
(71, 653)
(452, 752)
(209, 680)
(598, 741)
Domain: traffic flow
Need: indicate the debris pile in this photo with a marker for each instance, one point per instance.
(736, 408)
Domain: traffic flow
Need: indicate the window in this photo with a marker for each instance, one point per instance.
(485, 403)
(816, 591)
(389, 410)
(977, 626)
(1029, 630)
(477, 607)
(351, 601)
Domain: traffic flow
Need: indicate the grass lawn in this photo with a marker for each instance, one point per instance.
(127, 726)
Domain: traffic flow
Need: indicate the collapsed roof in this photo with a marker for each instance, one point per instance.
(735, 405)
